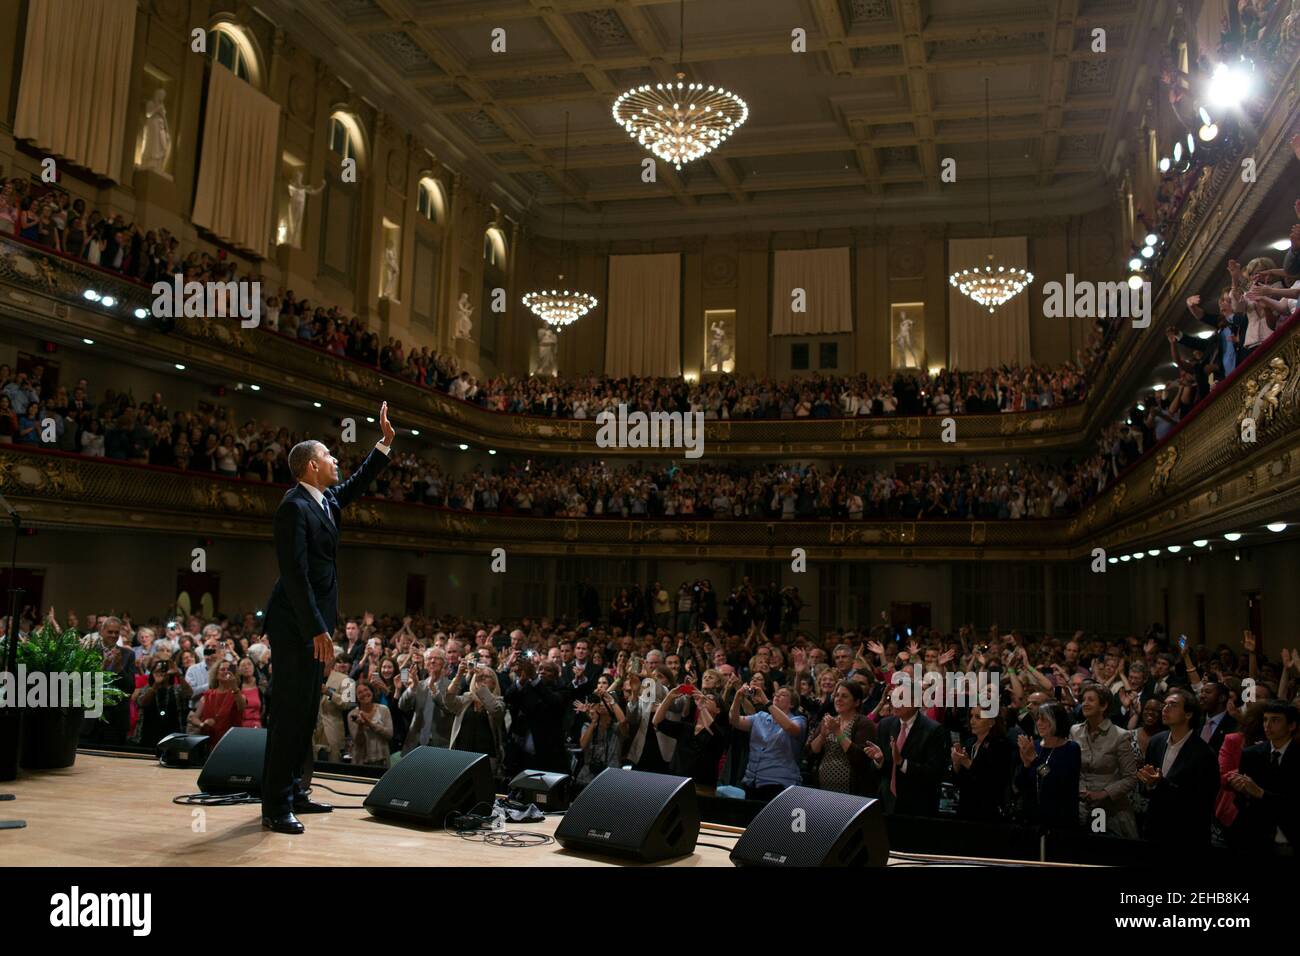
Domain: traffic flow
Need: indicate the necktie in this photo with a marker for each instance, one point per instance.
(1207, 731)
(893, 773)
(329, 515)
(1275, 758)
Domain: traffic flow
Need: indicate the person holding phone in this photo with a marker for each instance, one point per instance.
(701, 735)
(776, 734)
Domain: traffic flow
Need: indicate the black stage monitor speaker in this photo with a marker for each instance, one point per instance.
(550, 791)
(807, 827)
(645, 816)
(183, 750)
(235, 764)
(430, 783)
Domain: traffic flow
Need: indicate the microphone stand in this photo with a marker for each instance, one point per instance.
(11, 715)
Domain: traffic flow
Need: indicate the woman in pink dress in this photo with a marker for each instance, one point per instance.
(1250, 730)
(252, 691)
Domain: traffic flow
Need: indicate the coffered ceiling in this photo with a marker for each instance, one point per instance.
(852, 131)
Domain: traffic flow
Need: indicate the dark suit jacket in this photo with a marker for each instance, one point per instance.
(538, 709)
(982, 789)
(1258, 818)
(1227, 725)
(1181, 806)
(926, 756)
(304, 601)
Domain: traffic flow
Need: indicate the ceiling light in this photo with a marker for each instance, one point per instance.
(1148, 252)
(1205, 117)
(1277, 527)
(180, 367)
(1152, 239)
(492, 451)
(89, 341)
(1135, 281)
(1206, 334)
(1157, 388)
(1154, 552)
(415, 431)
(1135, 264)
(370, 420)
(1233, 536)
(1124, 557)
(91, 294)
(1164, 164)
(1112, 560)
(559, 309)
(1200, 542)
(1282, 245)
(988, 286)
(108, 301)
(1237, 556)
(256, 388)
(1208, 132)
(1175, 548)
(142, 313)
(1138, 556)
(315, 404)
(463, 447)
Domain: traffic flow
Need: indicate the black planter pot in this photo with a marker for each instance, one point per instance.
(50, 737)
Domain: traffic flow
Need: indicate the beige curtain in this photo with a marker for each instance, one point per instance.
(976, 339)
(644, 317)
(72, 98)
(827, 301)
(235, 198)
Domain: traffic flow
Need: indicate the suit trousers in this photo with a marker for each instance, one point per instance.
(295, 703)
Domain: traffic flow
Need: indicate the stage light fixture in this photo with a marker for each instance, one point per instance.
(1233, 536)
(1277, 527)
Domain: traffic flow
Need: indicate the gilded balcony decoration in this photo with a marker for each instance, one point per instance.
(224, 333)
(1166, 459)
(1267, 390)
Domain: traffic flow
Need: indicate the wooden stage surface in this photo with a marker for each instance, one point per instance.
(118, 811)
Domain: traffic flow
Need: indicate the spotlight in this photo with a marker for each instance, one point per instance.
(1124, 557)
(256, 388)
(1282, 245)
(1200, 542)
(1233, 536)
(1152, 239)
(492, 451)
(464, 447)
(180, 367)
(1175, 548)
(1135, 264)
(1164, 164)
(1207, 334)
(1205, 117)
(1138, 556)
(1135, 281)
(91, 294)
(1277, 527)
(89, 341)
(1208, 133)
(1154, 552)
(1148, 252)
(370, 420)
(108, 301)
(1228, 86)
(1112, 560)
(142, 313)
(315, 404)
(415, 431)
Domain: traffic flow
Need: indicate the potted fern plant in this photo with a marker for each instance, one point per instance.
(62, 682)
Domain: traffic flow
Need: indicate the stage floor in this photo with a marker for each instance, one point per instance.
(118, 811)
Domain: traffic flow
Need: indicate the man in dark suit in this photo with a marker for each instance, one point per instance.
(1181, 775)
(1268, 787)
(1218, 722)
(301, 614)
(1163, 677)
(914, 757)
(537, 701)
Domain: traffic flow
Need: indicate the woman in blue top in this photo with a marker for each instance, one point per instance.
(776, 735)
(1048, 778)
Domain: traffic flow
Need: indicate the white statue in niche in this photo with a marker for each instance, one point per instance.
(463, 324)
(155, 137)
(389, 288)
(298, 194)
(906, 348)
(719, 350)
(546, 342)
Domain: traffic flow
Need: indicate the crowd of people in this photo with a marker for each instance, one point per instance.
(1153, 738)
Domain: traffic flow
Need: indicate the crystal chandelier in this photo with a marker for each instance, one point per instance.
(560, 308)
(993, 285)
(680, 122)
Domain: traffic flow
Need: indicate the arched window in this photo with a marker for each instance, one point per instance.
(230, 46)
(344, 137)
(494, 247)
(430, 202)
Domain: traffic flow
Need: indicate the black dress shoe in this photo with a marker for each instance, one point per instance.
(282, 823)
(311, 806)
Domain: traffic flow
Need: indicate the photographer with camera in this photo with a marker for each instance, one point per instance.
(604, 732)
(776, 735)
(479, 724)
(163, 703)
